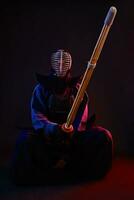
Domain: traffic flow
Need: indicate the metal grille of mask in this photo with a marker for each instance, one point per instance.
(61, 62)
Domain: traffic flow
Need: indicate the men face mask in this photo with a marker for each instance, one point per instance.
(61, 62)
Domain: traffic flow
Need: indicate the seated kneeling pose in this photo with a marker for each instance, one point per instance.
(48, 150)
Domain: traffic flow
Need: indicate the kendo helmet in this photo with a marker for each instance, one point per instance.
(61, 62)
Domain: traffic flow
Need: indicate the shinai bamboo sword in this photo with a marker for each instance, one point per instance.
(67, 127)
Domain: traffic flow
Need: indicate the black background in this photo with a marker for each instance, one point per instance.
(30, 32)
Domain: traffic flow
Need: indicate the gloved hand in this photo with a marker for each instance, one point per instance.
(62, 135)
(55, 133)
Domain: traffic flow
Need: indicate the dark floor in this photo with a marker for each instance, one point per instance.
(118, 184)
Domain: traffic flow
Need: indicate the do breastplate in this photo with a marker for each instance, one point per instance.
(59, 107)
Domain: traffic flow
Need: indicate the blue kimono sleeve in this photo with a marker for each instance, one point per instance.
(39, 112)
